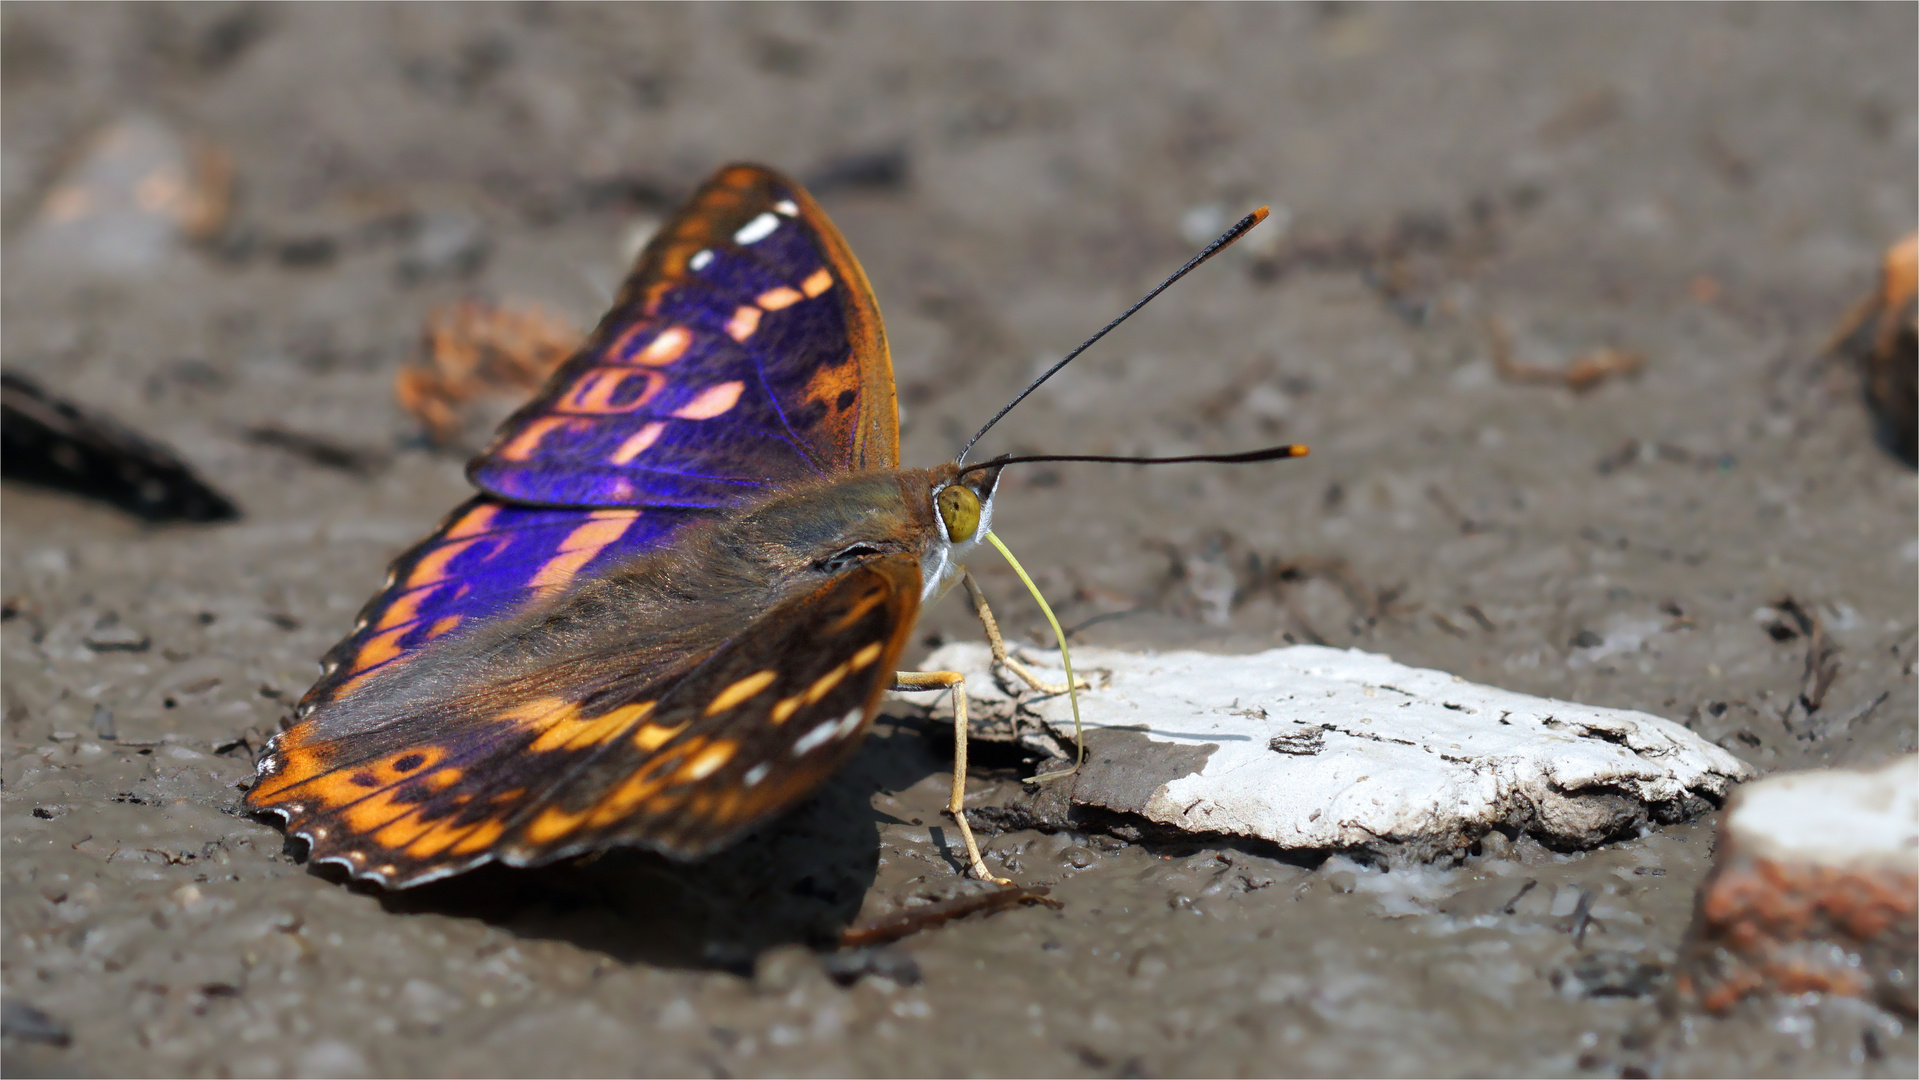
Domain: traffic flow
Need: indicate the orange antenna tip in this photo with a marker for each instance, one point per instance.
(1259, 215)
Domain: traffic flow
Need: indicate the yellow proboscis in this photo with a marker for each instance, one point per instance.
(1066, 658)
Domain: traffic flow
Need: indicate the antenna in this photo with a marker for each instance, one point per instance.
(1238, 230)
(1271, 453)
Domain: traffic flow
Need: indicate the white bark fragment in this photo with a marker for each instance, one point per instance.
(1327, 748)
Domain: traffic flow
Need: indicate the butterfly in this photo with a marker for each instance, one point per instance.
(673, 608)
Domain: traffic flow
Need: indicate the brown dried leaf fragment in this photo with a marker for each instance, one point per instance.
(1586, 372)
(474, 348)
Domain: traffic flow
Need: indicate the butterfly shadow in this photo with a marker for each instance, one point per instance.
(801, 879)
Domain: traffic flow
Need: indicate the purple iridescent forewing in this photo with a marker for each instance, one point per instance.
(745, 351)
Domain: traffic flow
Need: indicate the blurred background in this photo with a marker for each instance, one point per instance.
(1550, 290)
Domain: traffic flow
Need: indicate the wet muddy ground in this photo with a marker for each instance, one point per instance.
(1454, 188)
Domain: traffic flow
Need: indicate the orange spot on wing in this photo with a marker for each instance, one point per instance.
(595, 392)
(817, 282)
(432, 568)
(372, 813)
(745, 320)
(776, 298)
(786, 707)
(480, 838)
(378, 650)
(713, 401)
(576, 733)
(437, 837)
(298, 764)
(554, 823)
(631, 792)
(866, 656)
(601, 528)
(352, 684)
(442, 624)
(668, 347)
(825, 683)
(540, 714)
(369, 794)
(653, 736)
(407, 828)
(829, 384)
(740, 691)
(523, 445)
(637, 443)
(476, 521)
(404, 609)
(860, 607)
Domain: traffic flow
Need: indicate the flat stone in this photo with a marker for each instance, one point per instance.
(1318, 748)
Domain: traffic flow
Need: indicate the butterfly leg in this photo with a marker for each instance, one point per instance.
(1000, 655)
(956, 682)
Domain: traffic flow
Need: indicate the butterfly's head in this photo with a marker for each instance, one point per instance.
(962, 516)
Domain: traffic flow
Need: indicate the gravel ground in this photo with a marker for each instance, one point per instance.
(1709, 187)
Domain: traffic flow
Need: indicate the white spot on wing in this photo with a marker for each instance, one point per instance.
(848, 724)
(756, 774)
(757, 230)
(820, 735)
(787, 207)
(700, 260)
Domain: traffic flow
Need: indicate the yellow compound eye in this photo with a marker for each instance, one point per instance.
(959, 508)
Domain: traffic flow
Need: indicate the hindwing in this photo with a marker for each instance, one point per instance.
(534, 772)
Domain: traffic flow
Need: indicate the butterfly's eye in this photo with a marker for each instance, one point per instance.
(959, 509)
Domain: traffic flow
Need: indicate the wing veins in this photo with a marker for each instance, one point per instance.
(759, 372)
